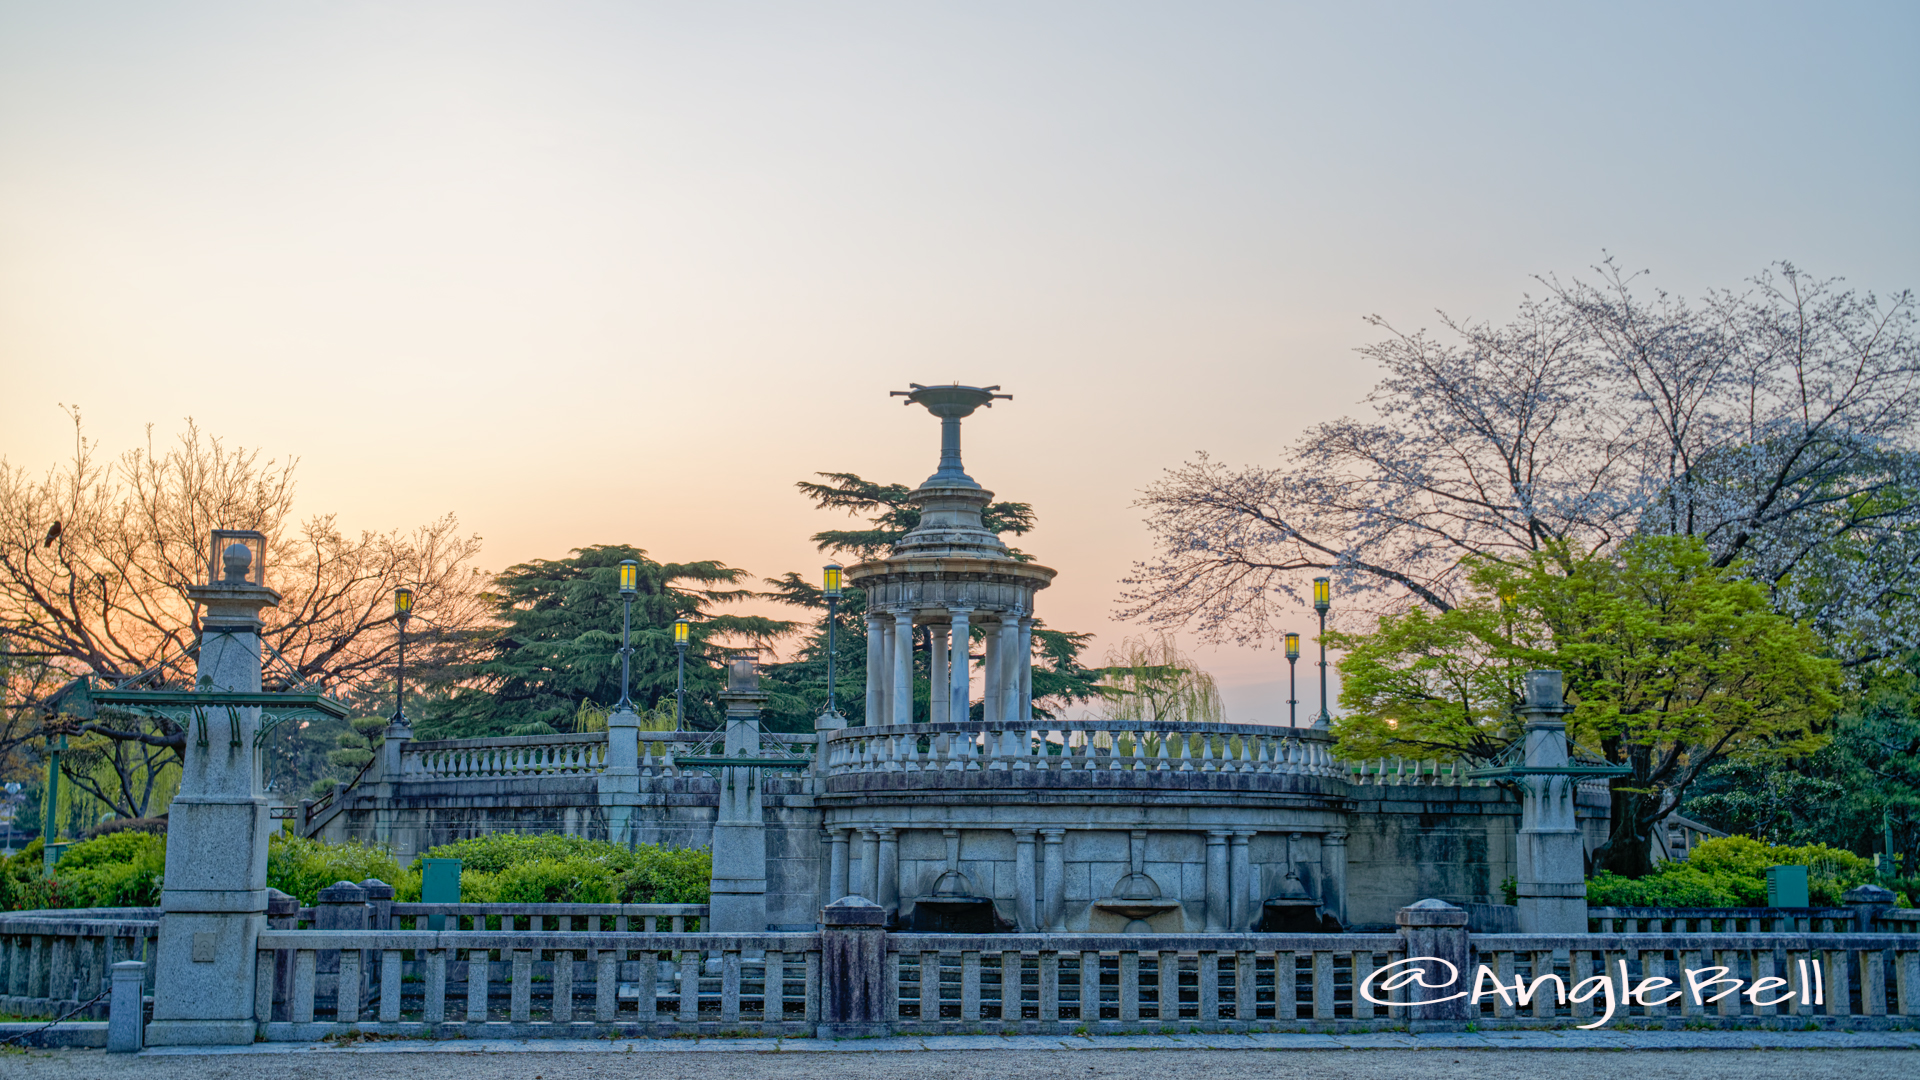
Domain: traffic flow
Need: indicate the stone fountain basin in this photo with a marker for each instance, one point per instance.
(1137, 907)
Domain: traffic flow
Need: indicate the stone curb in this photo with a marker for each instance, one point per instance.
(1512, 1040)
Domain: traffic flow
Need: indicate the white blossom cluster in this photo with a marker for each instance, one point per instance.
(1777, 423)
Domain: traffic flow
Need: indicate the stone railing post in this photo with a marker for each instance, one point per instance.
(283, 913)
(1869, 904)
(126, 1012)
(853, 969)
(340, 906)
(379, 904)
(1437, 930)
(618, 785)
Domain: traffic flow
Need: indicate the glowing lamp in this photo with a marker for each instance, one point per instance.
(1293, 646)
(1322, 593)
(833, 579)
(681, 629)
(403, 602)
(629, 577)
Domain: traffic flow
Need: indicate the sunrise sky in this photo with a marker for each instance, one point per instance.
(595, 273)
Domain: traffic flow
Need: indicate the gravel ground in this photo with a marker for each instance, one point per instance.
(1810, 1064)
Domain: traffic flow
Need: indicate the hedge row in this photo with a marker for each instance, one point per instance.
(126, 869)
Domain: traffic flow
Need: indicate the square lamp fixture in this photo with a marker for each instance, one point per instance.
(250, 571)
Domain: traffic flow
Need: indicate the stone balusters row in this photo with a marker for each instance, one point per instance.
(475, 762)
(750, 990)
(1072, 749)
(1401, 772)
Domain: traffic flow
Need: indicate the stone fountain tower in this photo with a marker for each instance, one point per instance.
(952, 575)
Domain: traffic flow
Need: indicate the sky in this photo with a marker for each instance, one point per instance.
(623, 273)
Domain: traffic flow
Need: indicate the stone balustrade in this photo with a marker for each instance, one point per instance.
(52, 961)
(581, 984)
(1754, 920)
(1087, 746)
(480, 984)
(1402, 772)
(475, 759)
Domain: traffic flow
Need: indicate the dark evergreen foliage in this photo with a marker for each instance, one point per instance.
(558, 645)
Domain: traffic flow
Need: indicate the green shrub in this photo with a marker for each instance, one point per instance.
(494, 852)
(115, 847)
(556, 881)
(496, 868)
(119, 869)
(301, 867)
(667, 876)
(1731, 871)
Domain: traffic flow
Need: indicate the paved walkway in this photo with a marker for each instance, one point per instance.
(1598, 1055)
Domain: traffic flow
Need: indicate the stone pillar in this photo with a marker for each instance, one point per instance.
(738, 901)
(1437, 929)
(990, 677)
(1333, 874)
(1010, 669)
(1053, 879)
(1217, 884)
(1551, 878)
(126, 1012)
(902, 711)
(1026, 669)
(876, 667)
(1024, 913)
(939, 697)
(214, 902)
(853, 970)
(869, 863)
(838, 883)
(1869, 902)
(960, 705)
(618, 785)
(1240, 871)
(889, 847)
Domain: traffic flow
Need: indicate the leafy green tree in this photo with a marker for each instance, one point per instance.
(1672, 663)
(558, 644)
(1860, 791)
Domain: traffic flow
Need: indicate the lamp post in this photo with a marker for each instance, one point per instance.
(831, 582)
(681, 629)
(403, 611)
(1293, 679)
(1322, 600)
(629, 584)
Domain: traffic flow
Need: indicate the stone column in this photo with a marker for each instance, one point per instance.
(618, 785)
(1024, 914)
(853, 970)
(889, 897)
(738, 901)
(938, 681)
(990, 677)
(1217, 885)
(1551, 878)
(1437, 929)
(1333, 874)
(214, 901)
(1026, 668)
(838, 884)
(902, 711)
(1053, 879)
(876, 666)
(960, 703)
(1010, 669)
(869, 863)
(1240, 870)
(125, 1010)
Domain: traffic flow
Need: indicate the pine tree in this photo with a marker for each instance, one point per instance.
(558, 644)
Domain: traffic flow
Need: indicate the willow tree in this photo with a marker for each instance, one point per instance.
(1672, 663)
